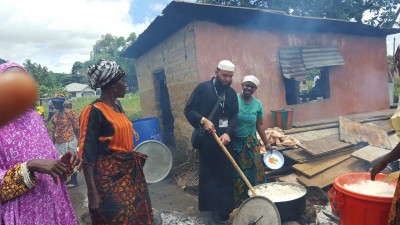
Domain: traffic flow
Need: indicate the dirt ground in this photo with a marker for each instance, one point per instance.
(174, 206)
(166, 198)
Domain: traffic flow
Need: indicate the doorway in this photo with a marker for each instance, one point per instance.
(164, 105)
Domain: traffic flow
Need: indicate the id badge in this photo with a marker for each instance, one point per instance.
(223, 122)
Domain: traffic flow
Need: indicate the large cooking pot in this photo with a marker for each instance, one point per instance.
(289, 198)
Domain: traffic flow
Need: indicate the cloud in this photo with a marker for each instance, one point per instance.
(58, 33)
(392, 41)
(140, 27)
(157, 7)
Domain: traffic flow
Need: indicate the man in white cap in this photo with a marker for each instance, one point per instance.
(216, 172)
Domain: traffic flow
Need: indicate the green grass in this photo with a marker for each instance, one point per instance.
(131, 105)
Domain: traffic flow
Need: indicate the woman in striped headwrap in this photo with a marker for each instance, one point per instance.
(117, 188)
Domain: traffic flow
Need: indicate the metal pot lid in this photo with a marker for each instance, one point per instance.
(159, 160)
(257, 210)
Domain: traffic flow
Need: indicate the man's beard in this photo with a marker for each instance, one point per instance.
(219, 85)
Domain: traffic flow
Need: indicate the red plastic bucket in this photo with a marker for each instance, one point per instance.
(356, 208)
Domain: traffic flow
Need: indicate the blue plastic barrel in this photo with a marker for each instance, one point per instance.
(148, 129)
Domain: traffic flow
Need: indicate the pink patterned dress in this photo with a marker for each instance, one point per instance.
(23, 139)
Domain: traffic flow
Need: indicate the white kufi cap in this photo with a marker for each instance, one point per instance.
(253, 79)
(226, 65)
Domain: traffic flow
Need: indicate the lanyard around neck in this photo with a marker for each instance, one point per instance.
(221, 97)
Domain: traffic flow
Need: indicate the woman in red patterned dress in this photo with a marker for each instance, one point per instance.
(117, 189)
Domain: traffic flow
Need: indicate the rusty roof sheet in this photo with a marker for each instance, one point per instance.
(292, 64)
(320, 56)
(295, 61)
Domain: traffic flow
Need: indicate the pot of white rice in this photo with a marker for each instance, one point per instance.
(359, 200)
(289, 198)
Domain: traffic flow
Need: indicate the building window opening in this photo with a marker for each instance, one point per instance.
(315, 87)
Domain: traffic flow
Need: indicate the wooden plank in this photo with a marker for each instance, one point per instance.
(291, 178)
(298, 155)
(327, 177)
(305, 129)
(381, 114)
(301, 156)
(383, 124)
(387, 113)
(312, 168)
(324, 145)
(370, 153)
(394, 140)
(380, 118)
(314, 134)
(280, 171)
(355, 132)
(275, 174)
(378, 121)
(315, 122)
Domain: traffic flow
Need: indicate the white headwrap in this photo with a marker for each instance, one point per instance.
(226, 65)
(253, 79)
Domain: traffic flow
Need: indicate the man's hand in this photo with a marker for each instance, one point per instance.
(225, 139)
(376, 169)
(209, 126)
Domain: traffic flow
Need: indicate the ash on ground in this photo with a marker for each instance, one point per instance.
(177, 218)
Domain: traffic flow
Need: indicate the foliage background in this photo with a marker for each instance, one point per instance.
(382, 13)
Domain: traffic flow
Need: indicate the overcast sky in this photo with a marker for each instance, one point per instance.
(57, 33)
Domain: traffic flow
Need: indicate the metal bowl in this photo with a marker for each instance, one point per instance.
(159, 160)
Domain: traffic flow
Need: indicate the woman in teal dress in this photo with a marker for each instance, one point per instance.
(247, 146)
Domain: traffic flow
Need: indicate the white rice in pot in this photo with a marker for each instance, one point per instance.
(279, 192)
(374, 188)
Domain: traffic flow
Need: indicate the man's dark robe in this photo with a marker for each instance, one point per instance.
(216, 172)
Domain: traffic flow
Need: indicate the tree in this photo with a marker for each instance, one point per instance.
(62, 79)
(78, 72)
(384, 13)
(110, 47)
(40, 73)
(76, 68)
(245, 3)
(44, 91)
(2, 61)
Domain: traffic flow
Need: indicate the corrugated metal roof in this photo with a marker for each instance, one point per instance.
(292, 64)
(297, 60)
(74, 87)
(321, 55)
(177, 14)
